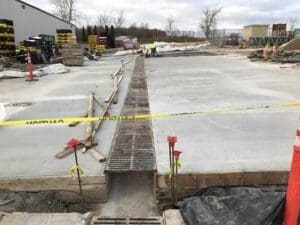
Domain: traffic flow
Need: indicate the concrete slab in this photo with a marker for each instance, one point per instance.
(29, 151)
(172, 217)
(253, 140)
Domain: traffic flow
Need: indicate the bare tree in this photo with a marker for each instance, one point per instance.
(65, 9)
(133, 25)
(209, 21)
(119, 20)
(110, 19)
(144, 26)
(170, 28)
(292, 22)
(104, 19)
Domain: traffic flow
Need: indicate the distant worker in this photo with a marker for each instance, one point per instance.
(153, 50)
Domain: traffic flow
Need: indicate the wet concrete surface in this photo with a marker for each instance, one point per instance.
(252, 140)
(29, 151)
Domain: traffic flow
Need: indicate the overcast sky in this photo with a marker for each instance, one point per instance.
(235, 13)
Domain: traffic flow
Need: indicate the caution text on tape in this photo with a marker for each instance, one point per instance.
(136, 117)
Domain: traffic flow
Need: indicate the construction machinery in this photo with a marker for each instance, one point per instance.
(41, 48)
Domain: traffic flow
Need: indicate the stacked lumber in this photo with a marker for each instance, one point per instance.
(72, 55)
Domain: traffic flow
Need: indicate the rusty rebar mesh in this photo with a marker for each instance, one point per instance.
(133, 148)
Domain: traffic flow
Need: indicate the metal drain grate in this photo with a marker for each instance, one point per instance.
(133, 148)
(127, 221)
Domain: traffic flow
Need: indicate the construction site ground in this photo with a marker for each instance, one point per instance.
(27, 158)
(245, 140)
(250, 140)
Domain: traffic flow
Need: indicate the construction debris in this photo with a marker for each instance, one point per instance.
(291, 45)
(88, 141)
(280, 56)
(72, 55)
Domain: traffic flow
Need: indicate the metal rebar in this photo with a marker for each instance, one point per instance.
(172, 177)
(79, 181)
(176, 181)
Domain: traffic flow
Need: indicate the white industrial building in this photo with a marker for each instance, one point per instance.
(31, 21)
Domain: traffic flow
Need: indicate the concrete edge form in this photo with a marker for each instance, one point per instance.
(189, 184)
(95, 188)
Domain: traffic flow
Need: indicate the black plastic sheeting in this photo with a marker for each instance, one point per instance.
(235, 206)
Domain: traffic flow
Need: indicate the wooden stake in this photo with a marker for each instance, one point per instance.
(96, 155)
(115, 89)
(89, 128)
(97, 100)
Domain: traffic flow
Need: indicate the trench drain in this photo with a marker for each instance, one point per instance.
(127, 221)
(133, 149)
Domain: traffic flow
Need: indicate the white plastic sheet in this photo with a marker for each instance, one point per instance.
(52, 69)
(11, 74)
(123, 53)
(2, 112)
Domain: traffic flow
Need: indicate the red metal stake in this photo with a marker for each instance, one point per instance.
(73, 143)
(30, 70)
(172, 140)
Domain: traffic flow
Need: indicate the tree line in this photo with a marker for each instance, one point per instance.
(111, 25)
(143, 34)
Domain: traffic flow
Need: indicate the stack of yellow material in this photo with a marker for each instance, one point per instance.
(64, 36)
(7, 38)
(100, 48)
(32, 49)
(92, 41)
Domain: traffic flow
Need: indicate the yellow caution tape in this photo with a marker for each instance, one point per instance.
(136, 117)
(74, 169)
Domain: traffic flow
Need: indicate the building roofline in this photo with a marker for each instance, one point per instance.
(257, 25)
(43, 11)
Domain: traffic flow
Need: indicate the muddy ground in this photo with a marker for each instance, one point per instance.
(37, 202)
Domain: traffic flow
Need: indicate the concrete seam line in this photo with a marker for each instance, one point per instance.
(48, 121)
